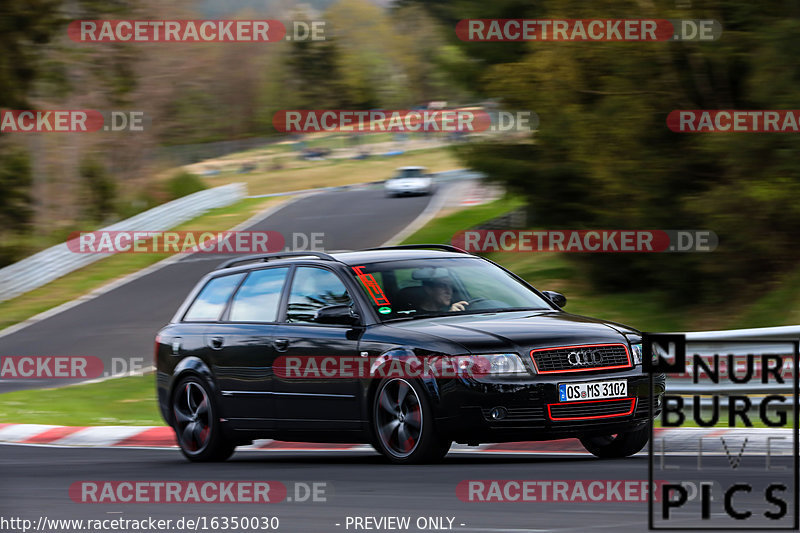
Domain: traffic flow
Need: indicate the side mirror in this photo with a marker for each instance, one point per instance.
(341, 314)
(556, 297)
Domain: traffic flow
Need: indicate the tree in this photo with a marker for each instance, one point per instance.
(16, 210)
(23, 25)
(100, 188)
(604, 158)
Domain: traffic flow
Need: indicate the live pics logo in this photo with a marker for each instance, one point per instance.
(751, 450)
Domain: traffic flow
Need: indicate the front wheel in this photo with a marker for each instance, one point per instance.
(196, 422)
(403, 424)
(617, 445)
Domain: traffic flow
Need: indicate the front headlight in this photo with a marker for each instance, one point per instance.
(493, 364)
(636, 351)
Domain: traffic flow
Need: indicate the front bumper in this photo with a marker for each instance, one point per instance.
(464, 408)
(409, 191)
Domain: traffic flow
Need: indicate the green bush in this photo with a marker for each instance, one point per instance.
(132, 206)
(184, 183)
(101, 189)
(12, 251)
(16, 181)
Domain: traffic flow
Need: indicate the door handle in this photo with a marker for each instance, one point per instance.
(281, 344)
(216, 343)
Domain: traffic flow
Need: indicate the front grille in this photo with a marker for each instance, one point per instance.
(583, 358)
(591, 409)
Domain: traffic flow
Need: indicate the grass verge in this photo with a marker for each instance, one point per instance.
(441, 229)
(128, 401)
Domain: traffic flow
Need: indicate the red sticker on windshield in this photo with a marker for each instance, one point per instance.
(371, 284)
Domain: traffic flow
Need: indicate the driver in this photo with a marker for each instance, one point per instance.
(439, 296)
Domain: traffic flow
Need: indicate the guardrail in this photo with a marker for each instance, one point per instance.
(778, 333)
(56, 261)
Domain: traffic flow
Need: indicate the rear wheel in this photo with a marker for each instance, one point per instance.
(403, 424)
(617, 445)
(196, 422)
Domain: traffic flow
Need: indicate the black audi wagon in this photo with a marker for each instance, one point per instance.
(408, 348)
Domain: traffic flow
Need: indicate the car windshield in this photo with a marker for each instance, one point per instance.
(439, 287)
(411, 173)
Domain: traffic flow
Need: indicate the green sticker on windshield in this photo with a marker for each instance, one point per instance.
(384, 310)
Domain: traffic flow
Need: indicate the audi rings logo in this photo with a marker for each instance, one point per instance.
(584, 358)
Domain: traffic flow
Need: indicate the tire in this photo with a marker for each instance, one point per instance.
(196, 422)
(403, 426)
(617, 446)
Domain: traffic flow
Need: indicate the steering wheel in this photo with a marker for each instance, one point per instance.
(476, 300)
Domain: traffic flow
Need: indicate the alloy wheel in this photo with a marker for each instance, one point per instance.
(399, 418)
(193, 417)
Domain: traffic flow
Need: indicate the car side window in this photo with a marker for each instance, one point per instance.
(258, 298)
(210, 303)
(312, 289)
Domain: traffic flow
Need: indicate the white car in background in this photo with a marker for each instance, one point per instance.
(409, 181)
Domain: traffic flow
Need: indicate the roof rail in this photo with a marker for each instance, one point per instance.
(277, 255)
(444, 247)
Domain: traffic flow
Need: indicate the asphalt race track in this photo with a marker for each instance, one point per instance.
(123, 322)
(36, 480)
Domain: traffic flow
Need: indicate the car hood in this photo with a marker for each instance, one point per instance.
(517, 331)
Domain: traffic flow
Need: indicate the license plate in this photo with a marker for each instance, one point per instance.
(592, 390)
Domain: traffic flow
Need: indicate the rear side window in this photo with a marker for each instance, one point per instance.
(258, 298)
(210, 303)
